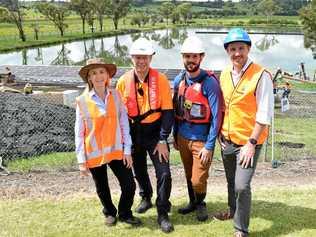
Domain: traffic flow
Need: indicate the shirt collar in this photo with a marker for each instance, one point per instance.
(244, 68)
(92, 93)
(137, 79)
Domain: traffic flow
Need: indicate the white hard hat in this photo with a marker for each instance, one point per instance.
(142, 46)
(192, 44)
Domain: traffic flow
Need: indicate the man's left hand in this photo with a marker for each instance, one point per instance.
(206, 156)
(163, 152)
(246, 155)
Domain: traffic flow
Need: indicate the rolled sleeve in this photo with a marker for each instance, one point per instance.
(124, 124)
(265, 99)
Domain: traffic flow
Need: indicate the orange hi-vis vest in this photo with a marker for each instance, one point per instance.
(240, 105)
(102, 136)
(130, 95)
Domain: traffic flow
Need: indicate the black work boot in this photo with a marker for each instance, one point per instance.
(201, 210)
(187, 209)
(144, 205)
(132, 220)
(191, 206)
(164, 223)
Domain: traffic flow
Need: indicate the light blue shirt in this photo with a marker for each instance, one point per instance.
(102, 105)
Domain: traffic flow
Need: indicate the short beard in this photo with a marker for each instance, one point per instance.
(194, 69)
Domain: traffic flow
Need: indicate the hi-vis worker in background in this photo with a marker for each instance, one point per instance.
(248, 94)
(147, 96)
(102, 139)
(198, 107)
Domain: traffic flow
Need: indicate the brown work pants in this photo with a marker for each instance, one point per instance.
(195, 171)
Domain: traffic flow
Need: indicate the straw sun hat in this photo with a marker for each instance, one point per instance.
(95, 63)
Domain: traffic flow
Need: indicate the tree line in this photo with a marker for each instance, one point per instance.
(91, 11)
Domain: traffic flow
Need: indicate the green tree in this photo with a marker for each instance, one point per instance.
(268, 8)
(4, 15)
(175, 16)
(83, 8)
(101, 8)
(90, 20)
(308, 16)
(136, 19)
(14, 14)
(118, 9)
(56, 13)
(166, 10)
(185, 11)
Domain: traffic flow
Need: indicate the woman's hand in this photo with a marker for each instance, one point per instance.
(84, 171)
(128, 161)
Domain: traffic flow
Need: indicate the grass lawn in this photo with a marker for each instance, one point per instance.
(274, 213)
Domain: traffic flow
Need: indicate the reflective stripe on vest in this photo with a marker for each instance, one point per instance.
(240, 105)
(130, 92)
(102, 137)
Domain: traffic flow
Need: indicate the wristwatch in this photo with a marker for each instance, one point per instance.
(253, 141)
(162, 142)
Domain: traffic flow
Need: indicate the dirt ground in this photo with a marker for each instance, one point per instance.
(60, 184)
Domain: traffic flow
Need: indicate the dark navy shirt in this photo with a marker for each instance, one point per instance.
(202, 132)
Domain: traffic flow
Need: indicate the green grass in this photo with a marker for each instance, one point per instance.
(274, 213)
(53, 161)
(303, 85)
(304, 132)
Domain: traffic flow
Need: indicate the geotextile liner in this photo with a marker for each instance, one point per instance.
(29, 127)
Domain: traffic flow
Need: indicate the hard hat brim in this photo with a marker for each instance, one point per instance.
(234, 41)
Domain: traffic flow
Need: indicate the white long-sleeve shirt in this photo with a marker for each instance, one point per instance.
(102, 105)
(264, 94)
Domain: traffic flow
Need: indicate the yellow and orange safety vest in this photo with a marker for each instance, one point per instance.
(241, 105)
(102, 136)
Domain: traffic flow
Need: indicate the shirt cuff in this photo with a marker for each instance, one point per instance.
(263, 118)
(209, 146)
(127, 150)
(81, 158)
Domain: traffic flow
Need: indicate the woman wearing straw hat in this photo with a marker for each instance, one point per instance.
(102, 140)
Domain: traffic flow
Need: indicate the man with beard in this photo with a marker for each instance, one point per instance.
(197, 103)
(147, 96)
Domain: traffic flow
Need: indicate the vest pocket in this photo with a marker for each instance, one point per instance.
(197, 111)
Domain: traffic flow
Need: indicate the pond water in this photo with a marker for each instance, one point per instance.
(270, 50)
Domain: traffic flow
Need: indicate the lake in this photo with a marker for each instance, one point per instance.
(270, 50)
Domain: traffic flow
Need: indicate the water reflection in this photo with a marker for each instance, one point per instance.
(166, 38)
(266, 42)
(166, 41)
(24, 56)
(117, 54)
(39, 56)
(63, 57)
(272, 51)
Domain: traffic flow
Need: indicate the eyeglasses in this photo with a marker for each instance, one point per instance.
(140, 89)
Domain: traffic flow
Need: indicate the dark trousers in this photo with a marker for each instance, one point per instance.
(238, 184)
(127, 184)
(163, 175)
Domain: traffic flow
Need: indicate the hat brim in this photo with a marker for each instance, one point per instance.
(111, 69)
(234, 41)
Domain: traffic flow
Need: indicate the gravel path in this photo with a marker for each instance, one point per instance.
(68, 184)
